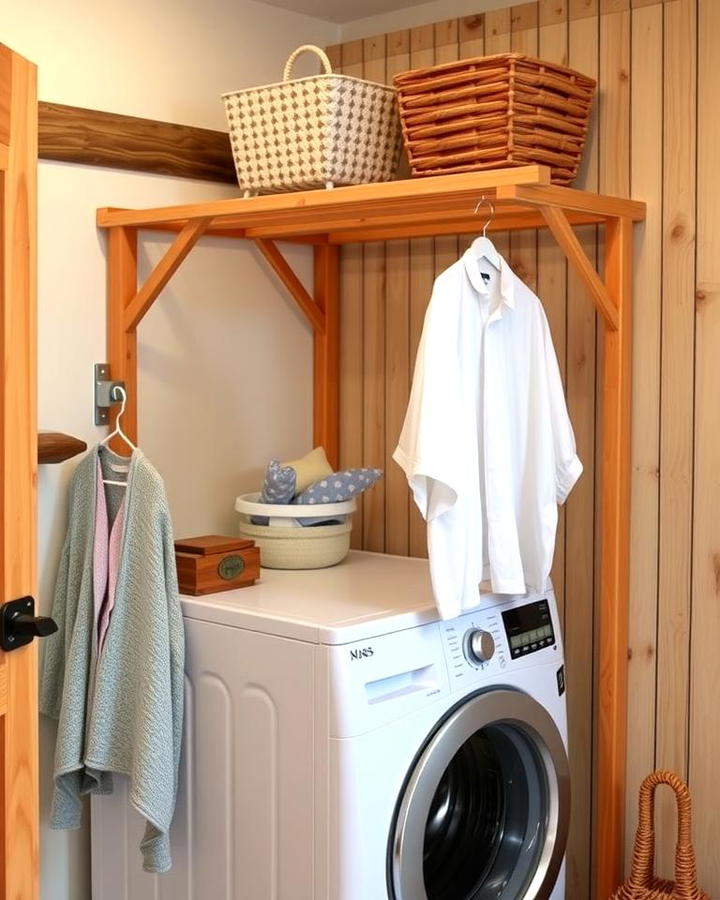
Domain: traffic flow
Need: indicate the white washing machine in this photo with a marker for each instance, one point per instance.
(342, 743)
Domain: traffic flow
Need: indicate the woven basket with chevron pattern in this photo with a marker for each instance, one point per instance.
(318, 132)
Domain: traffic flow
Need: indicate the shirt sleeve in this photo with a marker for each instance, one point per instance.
(428, 448)
(568, 467)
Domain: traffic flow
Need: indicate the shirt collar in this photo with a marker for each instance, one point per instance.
(507, 282)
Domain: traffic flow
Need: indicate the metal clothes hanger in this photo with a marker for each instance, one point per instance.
(117, 431)
(483, 247)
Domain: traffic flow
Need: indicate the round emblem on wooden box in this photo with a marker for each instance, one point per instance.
(231, 567)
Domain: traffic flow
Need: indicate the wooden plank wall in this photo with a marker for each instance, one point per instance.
(654, 136)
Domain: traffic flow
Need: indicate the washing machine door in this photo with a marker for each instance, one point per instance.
(485, 809)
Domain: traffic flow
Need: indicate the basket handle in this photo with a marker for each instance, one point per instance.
(643, 861)
(307, 48)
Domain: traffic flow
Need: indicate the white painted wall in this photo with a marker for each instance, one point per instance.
(225, 360)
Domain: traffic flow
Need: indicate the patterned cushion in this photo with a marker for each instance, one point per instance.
(279, 484)
(278, 487)
(339, 486)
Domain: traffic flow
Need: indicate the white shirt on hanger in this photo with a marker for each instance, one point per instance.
(487, 445)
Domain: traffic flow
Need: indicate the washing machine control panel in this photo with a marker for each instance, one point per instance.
(474, 644)
(529, 628)
(490, 640)
(479, 646)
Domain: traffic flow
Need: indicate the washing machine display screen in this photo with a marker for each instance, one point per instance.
(529, 628)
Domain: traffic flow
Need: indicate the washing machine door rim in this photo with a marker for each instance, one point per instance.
(503, 708)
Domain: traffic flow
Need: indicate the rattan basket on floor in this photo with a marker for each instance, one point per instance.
(643, 883)
(495, 111)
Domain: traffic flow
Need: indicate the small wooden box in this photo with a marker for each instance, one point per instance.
(212, 563)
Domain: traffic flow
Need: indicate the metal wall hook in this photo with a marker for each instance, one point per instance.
(482, 200)
(107, 392)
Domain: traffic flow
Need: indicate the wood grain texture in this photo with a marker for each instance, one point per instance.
(524, 39)
(199, 574)
(163, 271)
(19, 851)
(614, 576)
(352, 332)
(326, 343)
(704, 731)
(676, 411)
(447, 49)
(551, 261)
(566, 238)
(583, 51)
(497, 40)
(295, 287)
(397, 350)
(642, 54)
(614, 175)
(55, 447)
(94, 138)
(422, 273)
(122, 344)
(374, 449)
(646, 172)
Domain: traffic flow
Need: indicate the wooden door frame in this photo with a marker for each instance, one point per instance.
(19, 801)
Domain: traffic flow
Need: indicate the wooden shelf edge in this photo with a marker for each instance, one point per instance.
(358, 195)
(402, 209)
(55, 447)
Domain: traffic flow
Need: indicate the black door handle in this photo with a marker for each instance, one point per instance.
(19, 624)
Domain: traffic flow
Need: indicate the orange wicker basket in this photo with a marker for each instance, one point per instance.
(495, 111)
(643, 883)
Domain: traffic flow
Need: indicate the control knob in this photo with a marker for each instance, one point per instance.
(479, 646)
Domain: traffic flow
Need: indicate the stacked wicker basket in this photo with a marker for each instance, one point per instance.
(493, 112)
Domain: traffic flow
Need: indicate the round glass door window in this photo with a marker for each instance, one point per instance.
(485, 810)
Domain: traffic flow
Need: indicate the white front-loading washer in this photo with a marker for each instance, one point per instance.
(343, 743)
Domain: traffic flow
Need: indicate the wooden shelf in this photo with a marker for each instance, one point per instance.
(524, 198)
(398, 209)
(54, 447)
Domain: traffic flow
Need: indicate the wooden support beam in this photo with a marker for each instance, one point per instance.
(562, 230)
(502, 221)
(122, 344)
(572, 199)
(163, 272)
(312, 310)
(614, 577)
(91, 137)
(326, 367)
(19, 843)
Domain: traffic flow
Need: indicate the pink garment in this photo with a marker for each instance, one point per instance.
(106, 560)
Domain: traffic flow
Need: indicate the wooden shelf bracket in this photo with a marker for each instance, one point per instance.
(524, 198)
(562, 232)
(284, 272)
(163, 272)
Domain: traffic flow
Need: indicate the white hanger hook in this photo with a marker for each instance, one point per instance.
(483, 200)
(119, 389)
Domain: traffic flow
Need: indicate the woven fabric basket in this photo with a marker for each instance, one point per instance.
(495, 112)
(643, 884)
(317, 132)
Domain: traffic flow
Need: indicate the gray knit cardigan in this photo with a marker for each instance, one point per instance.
(120, 710)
